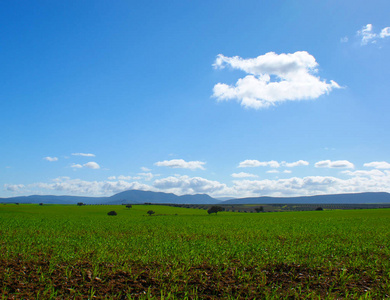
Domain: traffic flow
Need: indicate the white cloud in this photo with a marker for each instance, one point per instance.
(243, 175)
(368, 36)
(49, 158)
(145, 169)
(378, 165)
(111, 178)
(294, 79)
(255, 163)
(385, 32)
(287, 171)
(89, 165)
(359, 173)
(344, 39)
(334, 164)
(357, 181)
(14, 187)
(181, 163)
(295, 164)
(188, 185)
(92, 165)
(76, 166)
(84, 154)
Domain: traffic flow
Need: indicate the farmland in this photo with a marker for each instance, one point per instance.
(69, 251)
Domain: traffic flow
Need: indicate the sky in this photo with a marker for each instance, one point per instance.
(228, 98)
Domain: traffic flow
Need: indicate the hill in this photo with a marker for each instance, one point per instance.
(358, 198)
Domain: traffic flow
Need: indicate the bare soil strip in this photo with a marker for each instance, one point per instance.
(41, 279)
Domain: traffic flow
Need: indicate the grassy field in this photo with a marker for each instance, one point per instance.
(58, 252)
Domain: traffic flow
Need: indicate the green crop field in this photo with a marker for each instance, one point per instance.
(79, 252)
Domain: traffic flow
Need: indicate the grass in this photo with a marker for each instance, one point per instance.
(59, 251)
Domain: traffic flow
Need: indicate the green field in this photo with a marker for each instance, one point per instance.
(58, 252)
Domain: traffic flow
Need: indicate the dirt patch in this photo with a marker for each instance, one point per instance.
(82, 280)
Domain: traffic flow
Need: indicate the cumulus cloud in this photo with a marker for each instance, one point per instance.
(295, 164)
(255, 163)
(334, 164)
(89, 165)
(188, 185)
(76, 166)
(272, 78)
(243, 175)
(357, 181)
(14, 187)
(92, 165)
(49, 158)
(181, 163)
(145, 169)
(287, 171)
(369, 36)
(272, 171)
(378, 165)
(84, 154)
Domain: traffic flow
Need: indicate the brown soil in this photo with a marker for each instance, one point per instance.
(42, 280)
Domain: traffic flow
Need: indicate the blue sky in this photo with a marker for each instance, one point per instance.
(228, 98)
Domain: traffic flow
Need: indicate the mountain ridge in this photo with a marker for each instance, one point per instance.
(140, 197)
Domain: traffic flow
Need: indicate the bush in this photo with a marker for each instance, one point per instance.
(80, 204)
(214, 209)
(319, 208)
(150, 212)
(112, 213)
(259, 209)
(41, 204)
(128, 206)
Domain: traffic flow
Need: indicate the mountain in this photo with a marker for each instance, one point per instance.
(136, 196)
(139, 197)
(128, 197)
(358, 198)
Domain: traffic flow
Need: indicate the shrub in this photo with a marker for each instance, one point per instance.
(150, 212)
(128, 206)
(214, 209)
(259, 209)
(112, 213)
(319, 208)
(80, 204)
(41, 204)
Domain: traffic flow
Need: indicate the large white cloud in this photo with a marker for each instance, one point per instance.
(369, 36)
(188, 185)
(378, 165)
(255, 163)
(334, 164)
(181, 163)
(272, 78)
(357, 181)
(92, 165)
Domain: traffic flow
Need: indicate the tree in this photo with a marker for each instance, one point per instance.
(214, 209)
(319, 208)
(80, 204)
(259, 209)
(128, 206)
(112, 213)
(41, 204)
(150, 212)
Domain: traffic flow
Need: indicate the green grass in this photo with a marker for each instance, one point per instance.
(180, 239)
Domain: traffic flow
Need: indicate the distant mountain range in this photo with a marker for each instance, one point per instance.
(139, 197)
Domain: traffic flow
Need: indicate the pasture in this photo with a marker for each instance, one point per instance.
(68, 251)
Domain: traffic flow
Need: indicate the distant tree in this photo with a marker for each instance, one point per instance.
(80, 204)
(112, 213)
(128, 206)
(150, 212)
(319, 208)
(17, 203)
(214, 209)
(259, 209)
(41, 204)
